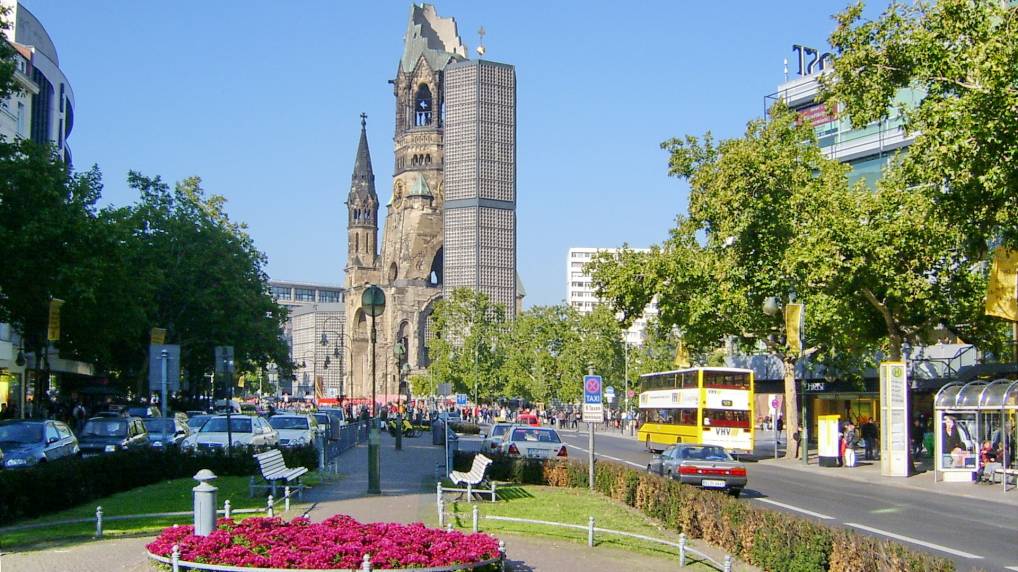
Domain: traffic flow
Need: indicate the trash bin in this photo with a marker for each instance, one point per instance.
(928, 443)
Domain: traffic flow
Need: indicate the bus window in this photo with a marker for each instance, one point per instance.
(685, 416)
(725, 418)
(726, 380)
(687, 380)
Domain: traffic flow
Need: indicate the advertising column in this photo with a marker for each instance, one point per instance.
(894, 419)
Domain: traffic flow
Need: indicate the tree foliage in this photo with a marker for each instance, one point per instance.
(959, 56)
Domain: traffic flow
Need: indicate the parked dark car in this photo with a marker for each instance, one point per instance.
(106, 435)
(166, 432)
(28, 443)
(143, 411)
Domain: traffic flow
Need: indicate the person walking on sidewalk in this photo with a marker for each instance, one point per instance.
(869, 438)
(797, 437)
(849, 444)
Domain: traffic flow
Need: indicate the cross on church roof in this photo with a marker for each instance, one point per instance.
(364, 119)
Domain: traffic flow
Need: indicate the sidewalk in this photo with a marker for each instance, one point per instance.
(408, 495)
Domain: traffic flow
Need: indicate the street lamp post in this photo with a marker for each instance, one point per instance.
(373, 304)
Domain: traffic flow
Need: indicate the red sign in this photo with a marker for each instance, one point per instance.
(816, 115)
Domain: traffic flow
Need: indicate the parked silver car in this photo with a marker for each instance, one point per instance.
(532, 443)
(166, 432)
(28, 443)
(492, 439)
(706, 466)
(245, 430)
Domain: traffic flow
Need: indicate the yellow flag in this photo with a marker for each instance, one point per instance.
(53, 331)
(793, 327)
(681, 355)
(1002, 288)
(158, 336)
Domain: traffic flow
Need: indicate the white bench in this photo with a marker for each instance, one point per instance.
(274, 470)
(474, 477)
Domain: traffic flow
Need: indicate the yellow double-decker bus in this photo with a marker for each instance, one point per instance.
(711, 405)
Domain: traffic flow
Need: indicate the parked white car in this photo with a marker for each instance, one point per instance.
(294, 430)
(493, 439)
(245, 430)
(532, 443)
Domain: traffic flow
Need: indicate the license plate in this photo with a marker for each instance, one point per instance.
(712, 484)
(537, 453)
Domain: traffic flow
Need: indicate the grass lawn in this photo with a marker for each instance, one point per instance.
(569, 506)
(167, 496)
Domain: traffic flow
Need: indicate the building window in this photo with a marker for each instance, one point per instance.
(304, 294)
(281, 292)
(21, 119)
(330, 296)
(422, 106)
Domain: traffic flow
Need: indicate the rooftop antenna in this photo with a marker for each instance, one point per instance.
(480, 44)
(786, 69)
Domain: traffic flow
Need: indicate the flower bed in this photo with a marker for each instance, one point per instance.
(337, 543)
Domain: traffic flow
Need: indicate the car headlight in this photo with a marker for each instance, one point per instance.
(157, 443)
(238, 443)
(16, 462)
(111, 448)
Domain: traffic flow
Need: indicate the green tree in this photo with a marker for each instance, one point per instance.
(959, 55)
(8, 83)
(45, 215)
(467, 349)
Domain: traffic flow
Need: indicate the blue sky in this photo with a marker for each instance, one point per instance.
(261, 99)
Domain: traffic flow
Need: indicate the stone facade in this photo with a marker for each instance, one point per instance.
(408, 266)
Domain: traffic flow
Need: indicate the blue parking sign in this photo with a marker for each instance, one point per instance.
(461, 399)
(592, 389)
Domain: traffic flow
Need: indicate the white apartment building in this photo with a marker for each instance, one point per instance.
(580, 293)
(316, 315)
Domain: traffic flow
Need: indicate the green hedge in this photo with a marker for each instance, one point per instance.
(56, 486)
(465, 428)
(768, 539)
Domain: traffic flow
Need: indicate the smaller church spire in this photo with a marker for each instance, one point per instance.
(362, 183)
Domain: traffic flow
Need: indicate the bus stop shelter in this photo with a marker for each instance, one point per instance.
(967, 414)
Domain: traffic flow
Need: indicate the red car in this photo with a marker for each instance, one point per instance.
(528, 419)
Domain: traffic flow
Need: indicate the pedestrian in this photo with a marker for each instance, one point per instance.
(869, 438)
(79, 415)
(797, 437)
(850, 438)
(917, 438)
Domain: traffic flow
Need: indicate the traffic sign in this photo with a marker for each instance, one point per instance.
(630, 393)
(461, 399)
(593, 409)
(155, 367)
(609, 390)
(775, 403)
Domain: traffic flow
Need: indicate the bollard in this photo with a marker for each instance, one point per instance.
(98, 522)
(286, 499)
(470, 492)
(682, 550)
(501, 551)
(448, 526)
(175, 558)
(728, 563)
(441, 513)
(366, 563)
(475, 518)
(269, 509)
(320, 441)
(492, 491)
(590, 532)
(227, 509)
(204, 503)
(438, 491)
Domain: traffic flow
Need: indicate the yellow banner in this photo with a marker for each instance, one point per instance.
(240, 381)
(681, 355)
(1002, 287)
(158, 336)
(53, 331)
(793, 327)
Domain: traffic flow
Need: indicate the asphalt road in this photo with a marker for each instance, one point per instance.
(976, 534)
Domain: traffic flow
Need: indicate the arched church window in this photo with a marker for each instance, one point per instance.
(422, 106)
(393, 272)
(356, 242)
(427, 159)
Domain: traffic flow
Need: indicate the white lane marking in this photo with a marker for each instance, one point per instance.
(796, 509)
(630, 463)
(1015, 568)
(916, 541)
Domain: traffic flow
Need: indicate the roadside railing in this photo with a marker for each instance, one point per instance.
(682, 546)
(347, 437)
(101, 517)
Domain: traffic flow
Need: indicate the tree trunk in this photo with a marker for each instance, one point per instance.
(791, 407)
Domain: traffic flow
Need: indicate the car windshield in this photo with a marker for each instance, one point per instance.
(218, 425)
(21, 433)
(498, 430)
(138, 411)
(535, 435)
(159, 425)
(705, 453)
(289, 422)
(105, 428)
(321, 418)
(197, 421)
